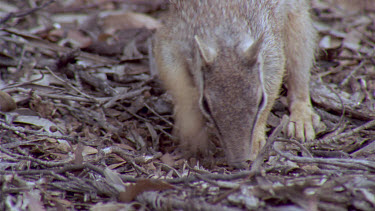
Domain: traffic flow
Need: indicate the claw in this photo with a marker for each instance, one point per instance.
(302, 122)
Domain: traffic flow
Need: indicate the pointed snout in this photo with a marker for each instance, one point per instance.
(238, 149)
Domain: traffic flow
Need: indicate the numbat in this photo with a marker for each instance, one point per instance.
(224, 62)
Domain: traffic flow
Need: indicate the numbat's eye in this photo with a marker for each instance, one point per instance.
(206, 106)
(262, 102)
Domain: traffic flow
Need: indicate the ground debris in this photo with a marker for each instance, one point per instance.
(85, 123)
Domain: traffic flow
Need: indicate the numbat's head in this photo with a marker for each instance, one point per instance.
(232, 92)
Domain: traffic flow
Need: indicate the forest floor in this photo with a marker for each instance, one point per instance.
(85, 123)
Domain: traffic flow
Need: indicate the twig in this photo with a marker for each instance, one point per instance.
(351, 132)
(41, 162)
(341, 120)
(323, 97)
(123, 96)
(152, 63)
(132, 113)
(345, 81)
(44, 45)
(19, 64)
(220, 184)
(131, 159)
(342, 107)
(158, 115)
(364, 165)
(66, 97)
(25, 12)
(158, 202)
(303, 148)
(165, 132)
(256, 166)
(168, 168)
(23, 130)
(70, 86)
(17, 85)
(148, 159)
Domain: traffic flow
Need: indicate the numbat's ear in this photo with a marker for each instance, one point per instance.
(251, 49)
(208, 52)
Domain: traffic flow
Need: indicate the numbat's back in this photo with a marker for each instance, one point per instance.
(224, 61)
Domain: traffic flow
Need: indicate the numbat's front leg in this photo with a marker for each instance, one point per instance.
(300, 42)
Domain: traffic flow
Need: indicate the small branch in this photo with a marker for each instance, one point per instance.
(41, 162)
(158, 115)
(23, 130)
(158, 202)
(25, 12)
(353, 131)
(256, 166)
(303, 148)
(345, 81)
(363, 165)
(124, 96)
(70, 86)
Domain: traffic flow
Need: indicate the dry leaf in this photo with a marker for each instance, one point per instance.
(168, 159)
(116, 165)
(352, 40)
(33, 200)
(116, 21)
(113, 178)
(6, 102)
(38, 121)
(329, 42)
(87, 150)
(111, 206)
(78, 39)
(141, 186)
(78, 157)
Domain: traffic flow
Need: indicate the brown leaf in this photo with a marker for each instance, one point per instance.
(127, 20)
(111, 206)
(78, 39)
(352, 40)
(87, 150)
(116, 165)
(329, 42)
(168, 159)
(78, 159)
(34, 199)
(6, 102)
(141, 186)
(55, 35)
(113, 178)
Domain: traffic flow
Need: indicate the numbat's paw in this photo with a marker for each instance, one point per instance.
(302, 122)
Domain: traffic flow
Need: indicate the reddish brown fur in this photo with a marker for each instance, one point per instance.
(218, 58)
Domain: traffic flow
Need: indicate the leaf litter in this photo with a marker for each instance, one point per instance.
(86, 125)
